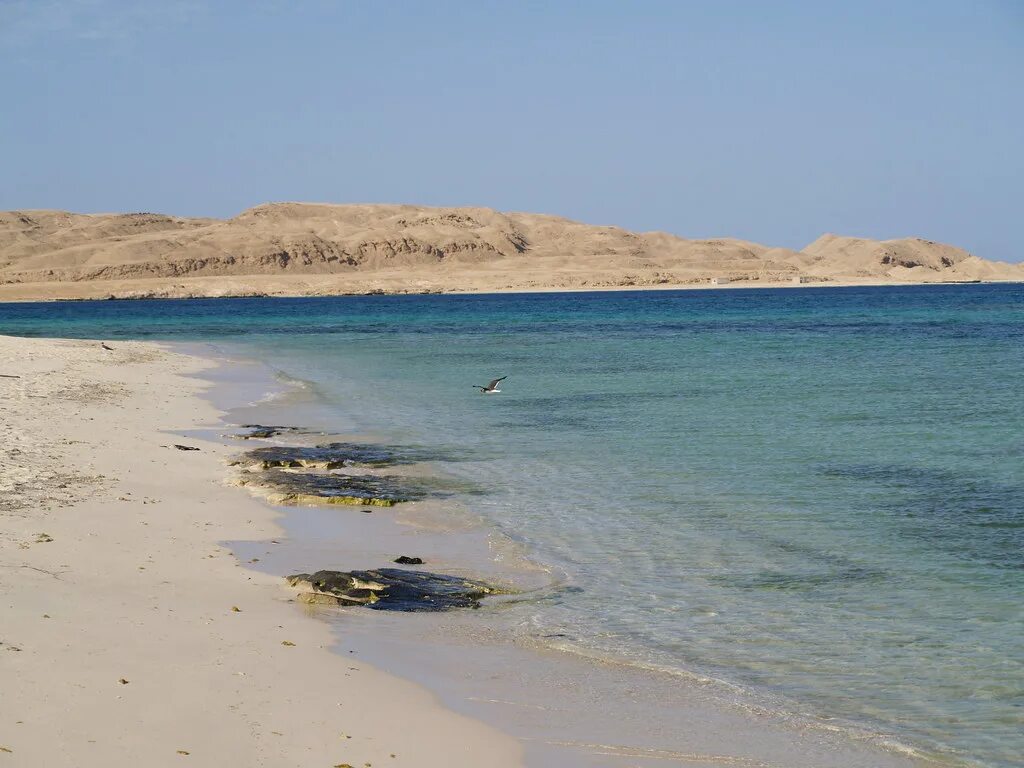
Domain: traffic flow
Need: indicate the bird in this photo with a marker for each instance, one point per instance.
(104, 345)
(491, 388)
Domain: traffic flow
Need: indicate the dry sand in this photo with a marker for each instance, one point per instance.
(301, 249)
(120, 643)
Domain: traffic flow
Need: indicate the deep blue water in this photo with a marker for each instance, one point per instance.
(816, 492)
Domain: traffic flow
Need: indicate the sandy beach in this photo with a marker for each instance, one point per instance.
(131, 636)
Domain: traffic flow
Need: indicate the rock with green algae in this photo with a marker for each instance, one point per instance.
(263, 431)
(332, 456)
(391, 589)
(287, 487)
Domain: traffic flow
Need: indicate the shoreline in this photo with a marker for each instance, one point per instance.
(169, 290)
(121, 636)
(725, 723)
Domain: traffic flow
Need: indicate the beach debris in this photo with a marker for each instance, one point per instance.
(185, 447)
(8, 750)
(289, 643)
(406, 560)
(287, 487)
(43, 538)
(343, 765)
(183, 752)
(235, 609)
(390, 589)
(9, 376)
(122, 681)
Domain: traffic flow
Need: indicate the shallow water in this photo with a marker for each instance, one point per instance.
(818, 494)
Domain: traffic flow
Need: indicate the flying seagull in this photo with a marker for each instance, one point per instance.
(104, 345)
(491, 388)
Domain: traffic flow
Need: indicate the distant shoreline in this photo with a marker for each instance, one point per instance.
(178, 291)
(302, 249)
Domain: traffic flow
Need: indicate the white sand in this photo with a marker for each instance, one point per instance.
(119, 645)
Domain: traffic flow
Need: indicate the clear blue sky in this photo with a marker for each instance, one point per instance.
(772, 121)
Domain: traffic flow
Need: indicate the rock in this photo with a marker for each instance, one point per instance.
(338, 582)
(322, 488)
(262, 431)
(352, 597)
(332, 456)
(319, 598)
(300, 581)
(391, 589)
(406, 560)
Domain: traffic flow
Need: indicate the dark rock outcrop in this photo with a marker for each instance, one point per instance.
(331, 456)
(327, 488)
(406, 560)
(263, 431)
(390, 589)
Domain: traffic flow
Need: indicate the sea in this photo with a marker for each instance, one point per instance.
(812, 494)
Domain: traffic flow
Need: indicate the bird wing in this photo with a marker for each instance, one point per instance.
(494, 382)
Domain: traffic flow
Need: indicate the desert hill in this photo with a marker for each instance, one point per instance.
(311, 249)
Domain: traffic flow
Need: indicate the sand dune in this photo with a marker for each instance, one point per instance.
(317, 249)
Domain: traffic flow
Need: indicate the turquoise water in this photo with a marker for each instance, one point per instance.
(817, 493)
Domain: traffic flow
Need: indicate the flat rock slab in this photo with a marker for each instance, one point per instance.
(335, 456)
(263, 431)
(330, 456)
(325, 488)
(390, 589)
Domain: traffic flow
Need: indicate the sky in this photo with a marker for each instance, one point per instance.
(769, 121)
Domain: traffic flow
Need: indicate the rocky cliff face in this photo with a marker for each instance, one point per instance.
(417, 248)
